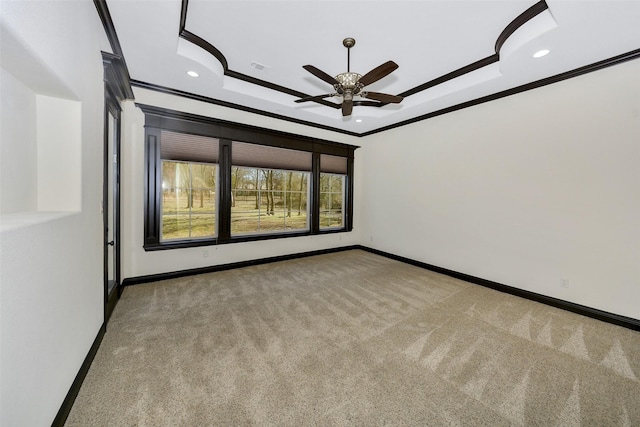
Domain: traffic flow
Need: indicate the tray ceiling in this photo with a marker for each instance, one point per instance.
(250, 53)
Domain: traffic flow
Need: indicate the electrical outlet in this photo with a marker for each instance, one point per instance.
(564, 283)
(205, 253)
(371, 239)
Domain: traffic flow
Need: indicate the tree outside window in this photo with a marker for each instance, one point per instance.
(331, 200)
(268, 200)
(188, 200)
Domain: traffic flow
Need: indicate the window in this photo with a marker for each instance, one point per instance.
(214, 182)
(266, 184)
(268, 200)
(331, 200)
(189, 175)
(333, 173)
(188, 200)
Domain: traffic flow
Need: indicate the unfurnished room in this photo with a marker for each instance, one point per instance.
(354, 213)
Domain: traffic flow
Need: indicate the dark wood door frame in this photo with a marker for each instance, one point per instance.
(112, 108)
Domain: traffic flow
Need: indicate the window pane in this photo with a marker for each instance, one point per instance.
(188, 200)
(268, 200)
(336, 201)
(336, 183)
(331, 200)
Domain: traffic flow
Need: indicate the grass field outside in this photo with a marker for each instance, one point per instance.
(246, 219)
(181, 222)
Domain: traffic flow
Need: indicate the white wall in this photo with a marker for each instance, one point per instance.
(18, 161)
(51, 289)
(526, 190)
(59, 150)
(135, 261)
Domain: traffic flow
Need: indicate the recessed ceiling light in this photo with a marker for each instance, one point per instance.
(541, 53)
(358, 120)
(193, 73)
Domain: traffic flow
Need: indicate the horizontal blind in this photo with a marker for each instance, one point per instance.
(188, 148)
(333, 164)
(264, 156)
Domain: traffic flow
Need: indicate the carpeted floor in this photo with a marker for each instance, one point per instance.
(353, 338)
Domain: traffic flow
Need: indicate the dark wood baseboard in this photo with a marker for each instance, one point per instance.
(70, 398)
(212, 269)
(112, 300)
(594, 313)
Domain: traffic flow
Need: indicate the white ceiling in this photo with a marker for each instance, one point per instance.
(427, 39)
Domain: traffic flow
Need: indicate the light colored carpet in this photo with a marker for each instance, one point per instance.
(353, 338)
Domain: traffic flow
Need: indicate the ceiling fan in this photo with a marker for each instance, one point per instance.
(347, 85)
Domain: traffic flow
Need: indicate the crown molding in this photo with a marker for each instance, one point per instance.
(116, 71)
(213, 101)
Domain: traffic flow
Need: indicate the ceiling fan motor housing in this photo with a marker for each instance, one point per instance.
(348, 81)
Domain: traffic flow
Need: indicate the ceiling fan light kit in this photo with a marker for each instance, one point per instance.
(349, 84)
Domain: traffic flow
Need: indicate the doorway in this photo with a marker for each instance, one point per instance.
(111, 204)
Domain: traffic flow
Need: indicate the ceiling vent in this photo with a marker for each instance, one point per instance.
(258, 66)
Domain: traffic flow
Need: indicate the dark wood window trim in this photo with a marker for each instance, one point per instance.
(157, 119)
